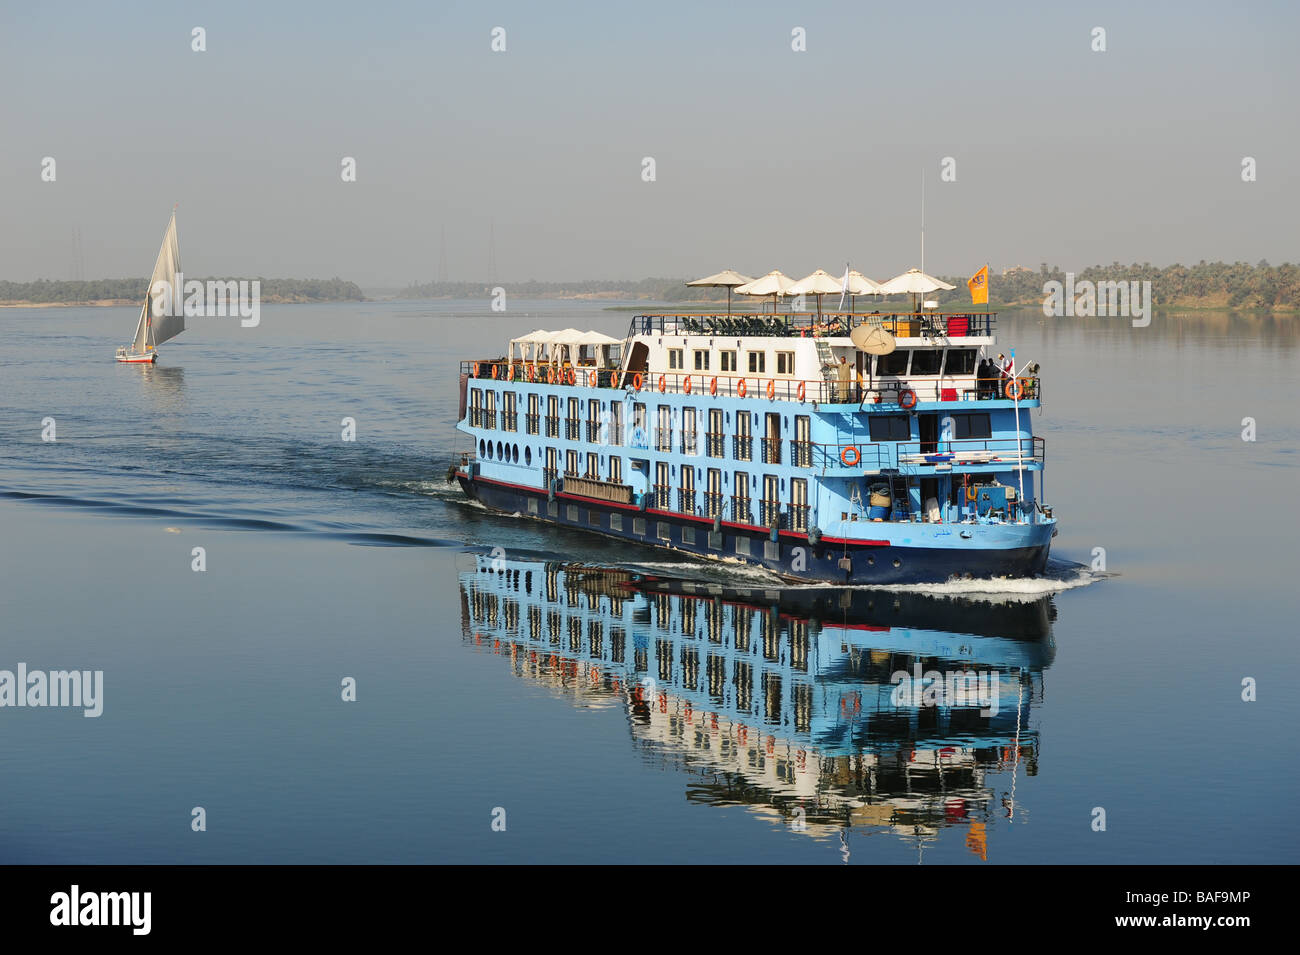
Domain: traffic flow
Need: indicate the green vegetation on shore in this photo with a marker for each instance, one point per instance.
(1204, 285)
(44, 291)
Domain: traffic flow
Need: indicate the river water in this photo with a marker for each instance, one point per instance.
(510, 706)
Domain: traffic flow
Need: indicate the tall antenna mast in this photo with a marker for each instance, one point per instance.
(922, 218)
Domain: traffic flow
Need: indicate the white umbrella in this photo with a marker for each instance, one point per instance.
(913, 282)
(774, 283)
(727, 278)
(819, 283)
(858, 284)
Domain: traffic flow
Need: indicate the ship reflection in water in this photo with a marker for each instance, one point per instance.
(833, 712)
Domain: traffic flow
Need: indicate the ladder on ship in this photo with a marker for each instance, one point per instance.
(826, 359)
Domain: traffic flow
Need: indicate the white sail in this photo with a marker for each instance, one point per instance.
(156, 325)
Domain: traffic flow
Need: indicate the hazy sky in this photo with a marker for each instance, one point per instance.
(765, 157)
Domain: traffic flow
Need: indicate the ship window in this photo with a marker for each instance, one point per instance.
(926, 361)
(890, 427)
(895, 363)
(961, 361)
(728, 361)
(701, 360)
(974, 425)
(674, 358)
(785, 363)
(757, 362)
(528, 455)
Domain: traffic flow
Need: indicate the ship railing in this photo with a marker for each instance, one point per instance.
(879, 390)
(742, 447)
(771, 450)
(930, 324)
(509, 421)
(663, 439)
(801, 453)
(690, 442)
(572, 428)
(714, 444)
(878, 455)
(552, 426)
(798, 515)
(714, 504)
(740, 510)
(686, 501)
(661, 497)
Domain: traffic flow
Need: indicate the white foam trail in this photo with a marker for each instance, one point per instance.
(1067, 577)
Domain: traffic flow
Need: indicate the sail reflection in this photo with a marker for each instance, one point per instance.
(830, 711)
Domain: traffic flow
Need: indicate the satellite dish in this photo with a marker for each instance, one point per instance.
(872, 339)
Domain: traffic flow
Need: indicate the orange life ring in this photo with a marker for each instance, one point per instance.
(1018, 384)
(636, 381)
(688, 384)
(800, 393)
(742, 388)
(850, 451)
(494, 371)
(713, 386)
(771, 388)
(532, 372)
(571, 376)
(663, 384)
(613, 379)
(475, 369)
(592, 378)
(550, 375)
(907, 399)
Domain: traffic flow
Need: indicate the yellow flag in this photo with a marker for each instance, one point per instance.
(979, 287)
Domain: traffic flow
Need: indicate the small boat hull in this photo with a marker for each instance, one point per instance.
(148, 359)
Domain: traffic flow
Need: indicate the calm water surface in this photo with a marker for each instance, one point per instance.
(612, 714)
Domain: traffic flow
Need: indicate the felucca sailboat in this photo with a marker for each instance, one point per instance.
(154, 329)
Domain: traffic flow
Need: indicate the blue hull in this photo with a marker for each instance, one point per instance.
(790, 555)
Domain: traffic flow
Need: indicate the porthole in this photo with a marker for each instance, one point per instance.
(897, 562)
(871, 562)
(499, 454)
(528, 455)
(481, 453)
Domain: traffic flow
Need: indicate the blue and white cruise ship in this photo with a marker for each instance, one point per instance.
(772, 439)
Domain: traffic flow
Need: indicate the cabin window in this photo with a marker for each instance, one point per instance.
(802, 444)
(893, 364)
(714, 437)
(701, 360)
(475, 408)
(926, 361)
(615, 469)
(890, 427)
(757, 362)
(727, 361)
(960, 361)
(615, 431)
(973, 425)
(534, 403)
(785, 363)
(674, 358)
(664, 432)
(552, 416)
(593, 467)
(571, 464)
(742, 444)
(509, 419)
(740, 500)
(689, 441)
